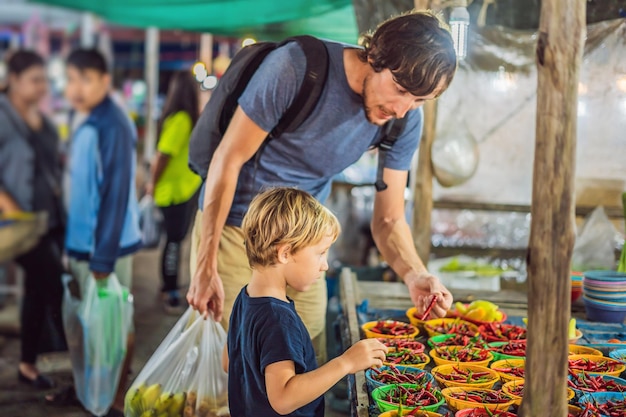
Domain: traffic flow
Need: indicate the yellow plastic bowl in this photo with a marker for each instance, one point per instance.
(506, 388)
(456, 404)
(575, 411)
(440, 361)
(410, 314)
(419, 413)
(584, 350)
(430, 325)
(440, 370)
(592, 358)
(508, 363)
(408, 365)
(371, 335)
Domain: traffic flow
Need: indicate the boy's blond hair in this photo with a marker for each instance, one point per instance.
(285, 216)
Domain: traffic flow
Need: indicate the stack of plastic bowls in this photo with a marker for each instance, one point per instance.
(577, 285)
(604, 296)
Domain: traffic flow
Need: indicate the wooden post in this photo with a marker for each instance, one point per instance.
(423, 192)
(151, 71)
(559, 54)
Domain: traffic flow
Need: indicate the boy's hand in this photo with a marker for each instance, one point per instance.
(364, 354)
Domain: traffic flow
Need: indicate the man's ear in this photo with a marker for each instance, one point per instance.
(284, 253)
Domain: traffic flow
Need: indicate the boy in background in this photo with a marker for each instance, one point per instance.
(272, 369)
(103, 215)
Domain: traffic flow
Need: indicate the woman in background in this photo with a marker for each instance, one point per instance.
(30, 181)
(172, 183)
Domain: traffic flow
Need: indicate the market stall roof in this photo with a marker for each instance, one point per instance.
(264, 19)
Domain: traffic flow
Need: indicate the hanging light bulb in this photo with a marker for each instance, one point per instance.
(459, 24)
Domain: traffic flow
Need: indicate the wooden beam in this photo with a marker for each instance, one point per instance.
(423, 192)
(559, 54)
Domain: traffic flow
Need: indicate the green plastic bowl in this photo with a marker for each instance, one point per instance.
(383, 405)
(499, 356)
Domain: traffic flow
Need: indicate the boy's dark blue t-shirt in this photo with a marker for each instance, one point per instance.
(262, 331)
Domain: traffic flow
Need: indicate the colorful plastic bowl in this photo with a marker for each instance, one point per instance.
(432, 325)
(457, 404)
(598, 310)
(418, 413)
(584, 350)
(508, 363)
(618, 355)
(379, 393)
(440, 371)
(507, 389)
(372, 335)
(618, 381)
(441, 361)
(372, 383)
(620, 367)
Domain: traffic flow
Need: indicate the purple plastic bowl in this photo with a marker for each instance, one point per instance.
(603, 312)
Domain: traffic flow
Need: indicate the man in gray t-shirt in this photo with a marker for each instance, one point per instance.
(408, 60)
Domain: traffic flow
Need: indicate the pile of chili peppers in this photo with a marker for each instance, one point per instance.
(466, 376)
(405, 357)
(485, 412)
(589, 383)
(401, 344)
(513, 348)
(516, 389)
(610, 408)
(393, 328)
(410, 398)
(462, 340)
(511, 370)
(498, 332)
(462, 354)
(395, 376)
(599, 366)
(482, 397)
(454, 327)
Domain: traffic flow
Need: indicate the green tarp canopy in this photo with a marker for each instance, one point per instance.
(262, 19)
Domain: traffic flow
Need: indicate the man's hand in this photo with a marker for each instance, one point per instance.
(206, 294)
(149, 188)
(100, 275)
(422, 286)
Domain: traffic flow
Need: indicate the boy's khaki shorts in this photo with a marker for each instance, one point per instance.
(235, 273)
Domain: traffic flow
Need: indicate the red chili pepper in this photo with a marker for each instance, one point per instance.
(432, 303)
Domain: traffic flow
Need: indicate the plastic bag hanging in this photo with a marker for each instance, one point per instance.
(150, 222)
(97, 321)
(184, 376)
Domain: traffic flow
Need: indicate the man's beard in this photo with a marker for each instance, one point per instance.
(367, 110)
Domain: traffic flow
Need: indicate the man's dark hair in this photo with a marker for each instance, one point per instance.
(418, 50)
(20, 61)
(84, 59)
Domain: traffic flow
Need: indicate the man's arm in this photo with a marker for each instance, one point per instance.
(392, 235)
(288, 391)
(7, 203)
(240, 142)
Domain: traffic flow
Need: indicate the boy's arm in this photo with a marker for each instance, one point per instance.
(288, 391)
(116, 158)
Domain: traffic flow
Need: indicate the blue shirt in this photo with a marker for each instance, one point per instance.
(263, 331)
(332, 138)
(103, 214)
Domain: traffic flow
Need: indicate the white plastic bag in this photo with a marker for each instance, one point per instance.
(96, 328)
(184, 376)
(595, 243)
(150, 222)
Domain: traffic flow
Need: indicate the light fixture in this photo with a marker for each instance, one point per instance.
(247, 42)
(459, 24)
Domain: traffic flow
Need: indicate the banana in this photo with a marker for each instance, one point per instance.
(132, 400)
(177, 405)
(148, 413)
(163, 415)
(150, 396)
(163, 402)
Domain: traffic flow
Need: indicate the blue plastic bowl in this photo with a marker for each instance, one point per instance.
(619, 354)
(606, 275)
(598, 311)
(601, 398)
(614, 297)
(372, 384)
(618, 381)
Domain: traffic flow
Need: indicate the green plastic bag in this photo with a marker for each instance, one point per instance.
(622, 261)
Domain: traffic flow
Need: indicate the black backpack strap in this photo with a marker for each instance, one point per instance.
(312, 85)
(391, 131)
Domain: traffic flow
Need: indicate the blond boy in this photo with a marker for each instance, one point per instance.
(272, 369)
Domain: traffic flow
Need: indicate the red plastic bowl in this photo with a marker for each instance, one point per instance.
(576, 293)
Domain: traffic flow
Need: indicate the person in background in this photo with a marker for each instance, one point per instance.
(30, 181)
(172, 183)
(287, 237)
(103, 214)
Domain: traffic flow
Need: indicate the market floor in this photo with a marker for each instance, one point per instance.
(152, 324)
